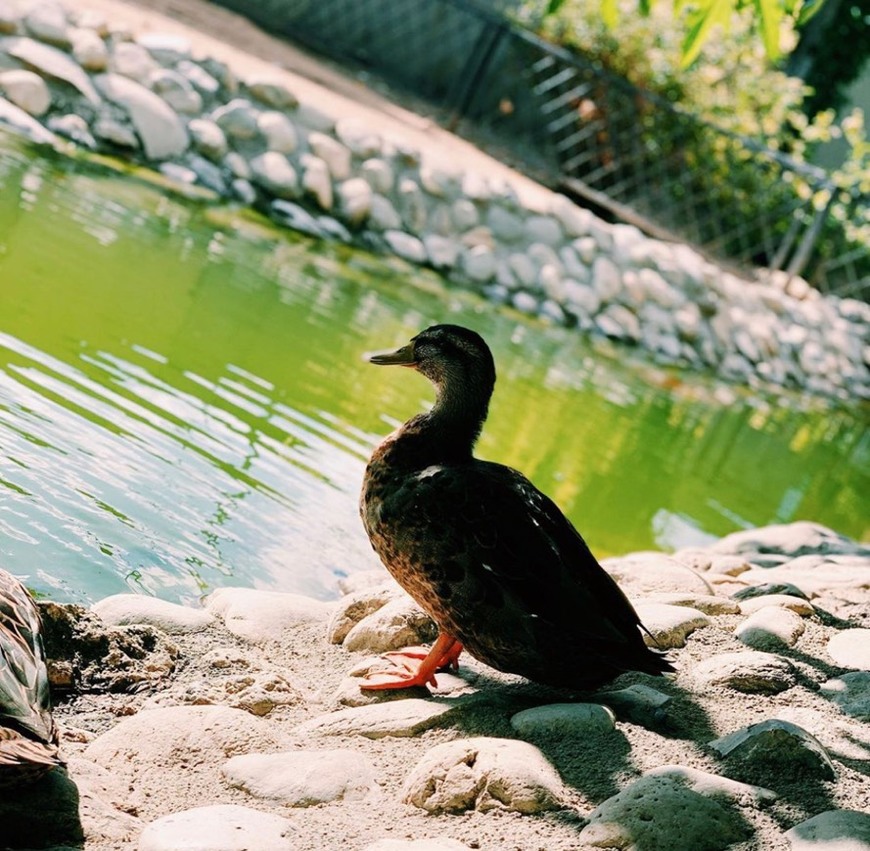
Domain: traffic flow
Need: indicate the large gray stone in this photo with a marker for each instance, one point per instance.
(793, 539)
(26, 90)
(398, 718)
(747, 671)
(833, 830)
(646, 572)
(275, 173)
(851, 649)
(669, 625)
(221, 827)
(160, 130)
(303, 778)
(663, 812)
(777, 746)
(565, 719)
(770, 628)
(264, 615)
(484, 774)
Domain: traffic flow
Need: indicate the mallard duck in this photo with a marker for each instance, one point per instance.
(490, 558)
(28, 734)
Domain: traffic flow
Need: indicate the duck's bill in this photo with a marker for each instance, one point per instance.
(399, 357)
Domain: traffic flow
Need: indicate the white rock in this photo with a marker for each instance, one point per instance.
(747, 671)
(851, 649)
(785, 601)
(316, 180)
(208, 138)
(405, 245)
(484, 774)
(72, 127)
(88, 49)
(406, 717)
(26, 90)
(357, 605)
(176, 90)
(575, 220)
(303, 778)
(160, 130)
(105, 127)
(274, 172)
(794, 539)
(851, 692)
(770, 628)
(364, 580)
(153, 741)
(833, 830)
(336, 156)
(202, 81)
(379, 175)
(706, 603)
(357, 201)
(48, 22)
(417, 845)
(221, 827)
(412, 205)
(464, 214)
(564, 719)
(441, 250)
(478, 262)
(669, 625)
(52, 62)
(131, 60)
(400, 623)
(124, 609)
(775, 745)
(642, 573)
(273, 93)
(841, 737)
(638, 703)
(278, 131)
(619, 322)
(663, 812)
(10, 18)
(264, 615)
(357, 135)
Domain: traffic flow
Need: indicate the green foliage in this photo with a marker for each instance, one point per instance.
(733, 86)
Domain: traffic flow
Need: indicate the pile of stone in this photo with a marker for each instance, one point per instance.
(74, 75)
(260, 736)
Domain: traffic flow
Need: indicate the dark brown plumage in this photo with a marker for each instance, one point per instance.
(28, 734)
(492, 559)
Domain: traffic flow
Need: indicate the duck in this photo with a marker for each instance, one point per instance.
(28, 732)
(487, 555)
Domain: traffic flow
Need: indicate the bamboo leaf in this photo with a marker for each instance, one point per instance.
(609, 13)
(553, 6)
(645, 7)
(808, 10)
(769, 15)
(701, 22)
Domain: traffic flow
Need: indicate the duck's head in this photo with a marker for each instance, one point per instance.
(450, 356)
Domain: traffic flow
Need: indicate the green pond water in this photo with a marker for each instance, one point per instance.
(184, 405)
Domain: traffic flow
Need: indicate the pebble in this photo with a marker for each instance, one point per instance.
(639, 574)
(770, 628)
(278, 131)
(52, 62)
(779, 749)
(851, 649)
(359, 604)
(208, 138)
(399, 623)
(833, 830)
(706, 603)
(752, 603)
(221, 827)
(768, 589)
(356, 201)
(26, 90)
(484, 774)
(638, 703)
(303, 778)
(272, 93)
(851, 692)
(336, 156)
(669, 625)
(663, 812)
(564, 719)
(405, 246)
(264, 615)
(274, 172)
(750, 671)
(124, 609)
(792, 539)
(398, 718)
(316, 180)
(238, 119)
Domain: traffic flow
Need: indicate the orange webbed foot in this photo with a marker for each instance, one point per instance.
(415, 666)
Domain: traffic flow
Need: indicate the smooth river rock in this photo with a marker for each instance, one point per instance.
(747, 671)
(52, 62)
(125, 609)
(564, 719)
(770, 628)
(669, 625)
(851, 692)
(851, 649)
(484, 774)
(159, 128)
(398, 718)
(303, 778)
(639, 574)
(264, 615)
(833, 830)
(221, 827)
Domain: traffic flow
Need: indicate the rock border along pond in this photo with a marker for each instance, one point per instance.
(73, 75)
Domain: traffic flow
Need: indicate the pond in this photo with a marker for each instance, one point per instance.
(184, 405)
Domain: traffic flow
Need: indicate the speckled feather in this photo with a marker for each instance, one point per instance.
(491, 558)
(28, 734)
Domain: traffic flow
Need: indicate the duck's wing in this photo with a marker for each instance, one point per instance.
(527, 556)
(24, 691)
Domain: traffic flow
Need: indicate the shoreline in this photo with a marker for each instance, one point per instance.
(349, 167)
(181, 721)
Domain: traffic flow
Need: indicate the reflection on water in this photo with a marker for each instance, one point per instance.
(183, 404)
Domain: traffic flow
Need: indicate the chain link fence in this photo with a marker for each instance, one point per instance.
(613, 146)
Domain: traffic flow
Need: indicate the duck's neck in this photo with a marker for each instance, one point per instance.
(447, 433)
